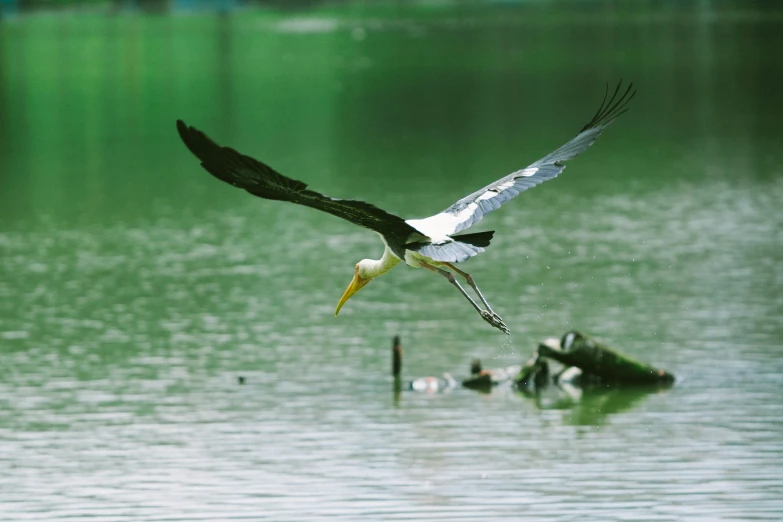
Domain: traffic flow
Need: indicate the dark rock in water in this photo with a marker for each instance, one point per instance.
(240, 380)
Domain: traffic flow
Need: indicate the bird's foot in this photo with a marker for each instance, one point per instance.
(495, 320)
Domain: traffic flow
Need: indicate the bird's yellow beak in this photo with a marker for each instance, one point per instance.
(356, 284)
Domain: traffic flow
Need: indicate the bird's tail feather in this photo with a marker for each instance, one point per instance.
(479, 239)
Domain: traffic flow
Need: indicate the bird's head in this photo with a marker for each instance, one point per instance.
(361, 277)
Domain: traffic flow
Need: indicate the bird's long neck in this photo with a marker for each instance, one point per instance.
(382, 265)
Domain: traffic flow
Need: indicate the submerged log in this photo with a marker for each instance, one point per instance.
(594, 358)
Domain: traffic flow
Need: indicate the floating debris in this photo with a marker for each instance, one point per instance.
(586, 363)
(427, 384)
(481, 379)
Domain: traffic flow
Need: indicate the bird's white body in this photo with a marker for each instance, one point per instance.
(436, 228)
(369, 268)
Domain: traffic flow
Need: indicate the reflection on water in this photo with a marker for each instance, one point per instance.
(593, 405)
(134, 289)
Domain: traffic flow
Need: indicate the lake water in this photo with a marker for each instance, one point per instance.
(135, 289)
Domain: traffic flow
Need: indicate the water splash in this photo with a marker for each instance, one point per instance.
(507, 348)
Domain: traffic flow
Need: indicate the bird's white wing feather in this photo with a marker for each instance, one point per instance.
(471, 209)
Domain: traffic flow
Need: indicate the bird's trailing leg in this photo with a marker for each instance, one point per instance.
(472, 283)
(488, 315)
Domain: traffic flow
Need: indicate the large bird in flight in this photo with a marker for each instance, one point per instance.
(435, 243)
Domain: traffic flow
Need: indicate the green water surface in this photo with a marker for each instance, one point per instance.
(135, 288)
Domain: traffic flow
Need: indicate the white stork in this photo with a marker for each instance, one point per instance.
(434, 243)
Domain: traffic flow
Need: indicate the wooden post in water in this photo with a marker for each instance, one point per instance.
(396, 356)
(397, 367)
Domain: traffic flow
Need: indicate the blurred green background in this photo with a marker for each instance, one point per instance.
(134, 288)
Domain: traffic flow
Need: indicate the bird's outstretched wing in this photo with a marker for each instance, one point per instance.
(471, 209)
(263, 181)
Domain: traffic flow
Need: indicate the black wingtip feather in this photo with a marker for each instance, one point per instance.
(613, 108)
(235, 168)
(186, 135)
(197, 142)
